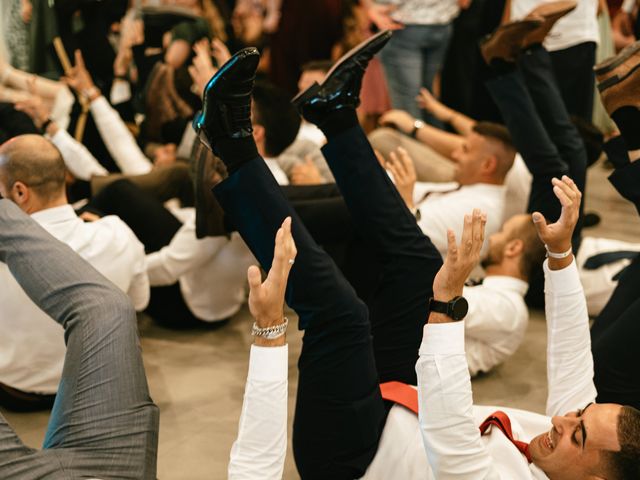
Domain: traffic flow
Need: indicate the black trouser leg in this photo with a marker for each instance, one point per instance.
(339, 411)
(153, 224)
(407, 258)
(537, 71)
(573, 69)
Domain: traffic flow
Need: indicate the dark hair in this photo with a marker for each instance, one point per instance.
(274, 111)
(533, 251)
(322, 65)
(495, 131)
(625, 464)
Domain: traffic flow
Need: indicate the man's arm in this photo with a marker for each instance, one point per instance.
(184, 253)
(259, 451)
(449, 432)
(116, 136)
(626, 177)
(442, 142)
(569, 358)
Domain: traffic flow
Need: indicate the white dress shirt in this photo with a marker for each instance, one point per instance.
(579, 26)
(212, 271)
(599, 283)
(518, 186)
(441, 211)
(32, 347)
(259, 450)
(80, 162)
(120, 142)
(448, 420)
(446, 442)
(496, 322)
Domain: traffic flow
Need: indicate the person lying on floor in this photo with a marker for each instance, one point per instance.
(342, 426)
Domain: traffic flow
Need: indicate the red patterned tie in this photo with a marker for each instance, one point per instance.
(407, 396)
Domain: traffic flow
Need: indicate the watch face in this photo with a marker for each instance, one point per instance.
(460, 308)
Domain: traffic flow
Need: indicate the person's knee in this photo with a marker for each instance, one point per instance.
(385, 140)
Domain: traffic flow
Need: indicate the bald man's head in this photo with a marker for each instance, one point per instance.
(36, 163)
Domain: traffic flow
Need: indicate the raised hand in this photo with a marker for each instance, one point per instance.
(401, 166)
(557, 236)
(460, 260)
(381, 16)
(435, 107)
(266, 299)
(79, 77)
(202, 68)
(398, 119)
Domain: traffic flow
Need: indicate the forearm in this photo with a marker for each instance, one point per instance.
(260, 448)
(80, 162)
(118, 139)
(442, 142)
(445, 402)
(569, 358)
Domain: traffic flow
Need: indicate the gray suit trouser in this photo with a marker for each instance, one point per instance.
(103, 423)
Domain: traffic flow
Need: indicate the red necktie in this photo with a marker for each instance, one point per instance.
(407, 396)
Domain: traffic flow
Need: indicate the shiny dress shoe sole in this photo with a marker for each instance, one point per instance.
(612, 63)
(199, 120)
(306, 95)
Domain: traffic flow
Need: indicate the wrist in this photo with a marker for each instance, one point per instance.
(446, 295)
(265, 342)
(558, 248)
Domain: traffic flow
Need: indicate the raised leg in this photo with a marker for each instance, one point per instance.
(103, 422)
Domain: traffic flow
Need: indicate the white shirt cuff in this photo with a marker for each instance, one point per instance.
(562, 282)
(269, 364)
(443, 339)
(100, 104)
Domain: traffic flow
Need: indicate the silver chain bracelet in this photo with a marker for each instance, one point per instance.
(270, 333)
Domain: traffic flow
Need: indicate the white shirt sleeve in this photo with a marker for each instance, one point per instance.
(449, 432)
(569, 358)
(118, 139)
(260, 448)
(80, 162)
(628, 6)
(184, 253)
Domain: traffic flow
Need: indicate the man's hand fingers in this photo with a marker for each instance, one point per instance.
(541, 225)
(254, 278)
(466, 242)
(381, 160)
(452, 247)
(479, 220)
(79, 59)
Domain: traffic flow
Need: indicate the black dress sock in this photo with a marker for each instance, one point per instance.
(235, 152)
(628, 121)
(338, 121)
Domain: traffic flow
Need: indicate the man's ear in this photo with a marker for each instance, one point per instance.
(258, 133)
(514, 248)
(20, 193)
(490, 164)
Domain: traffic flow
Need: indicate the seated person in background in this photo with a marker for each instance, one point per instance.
(32, 347)
(103, 424)
(342, 427)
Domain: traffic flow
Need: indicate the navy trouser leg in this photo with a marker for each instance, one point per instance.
(408, 260)
(339, 411)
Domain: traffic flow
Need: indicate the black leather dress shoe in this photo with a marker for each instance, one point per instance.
(340, 88)
(226, 102)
